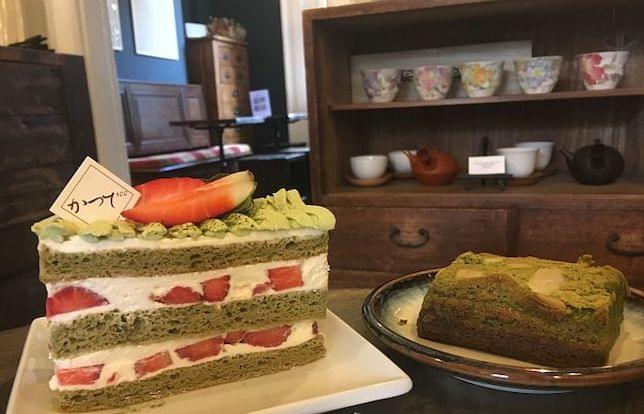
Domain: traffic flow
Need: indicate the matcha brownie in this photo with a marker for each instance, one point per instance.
(148, 308)
(543, 311)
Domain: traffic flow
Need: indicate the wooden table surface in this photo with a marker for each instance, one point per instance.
(434, 391)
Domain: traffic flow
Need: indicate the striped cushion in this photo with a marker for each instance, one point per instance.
(173, 158)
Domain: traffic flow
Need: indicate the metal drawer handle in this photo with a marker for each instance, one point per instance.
(613, 238)
(394, 236)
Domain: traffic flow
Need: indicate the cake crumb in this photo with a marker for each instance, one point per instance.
(402, 321)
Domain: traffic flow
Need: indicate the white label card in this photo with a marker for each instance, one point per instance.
(490, 164)
(260, 103)
(94, 193)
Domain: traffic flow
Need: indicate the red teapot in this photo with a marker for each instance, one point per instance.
(433, 167)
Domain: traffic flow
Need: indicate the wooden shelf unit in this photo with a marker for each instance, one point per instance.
(556, 218)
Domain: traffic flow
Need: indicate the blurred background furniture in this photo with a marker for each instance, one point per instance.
(282, 169)
(46, 124)
(220, 65)
(147, 108)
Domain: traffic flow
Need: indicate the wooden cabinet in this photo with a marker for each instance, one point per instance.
(47, 131)
(149, 107)
(221, 66)
(614, 236)
(394, 240)
(556, 218)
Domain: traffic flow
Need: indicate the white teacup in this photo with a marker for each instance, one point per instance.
(520, 162)
(368, 166)
(399, 162)
(545, 151)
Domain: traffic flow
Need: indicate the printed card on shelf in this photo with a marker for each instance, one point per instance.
(94, 193)
(260, 103)
(484, 165)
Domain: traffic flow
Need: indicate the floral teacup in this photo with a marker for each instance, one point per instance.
(602, 70)
(538, 74)
(433, 81)
(481, 79)
(381, 85)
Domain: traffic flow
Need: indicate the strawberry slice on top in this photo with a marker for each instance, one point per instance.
(172, 202)
(286, 277)
(72, 298)
(268, 338)
(165, 188)
(79, 376)
(203, 349)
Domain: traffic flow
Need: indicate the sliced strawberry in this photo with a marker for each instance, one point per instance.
(261, 288)
(73, 298)
(234, 337)
(215, 290)
(165, 188)
(315, 328)
(112, 378)
(178, 295)
(152, 363)
(79, 376)
(286, 277)
(195, 204)
(202, 349)
(268, 338)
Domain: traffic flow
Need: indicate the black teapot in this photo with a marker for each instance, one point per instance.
(595, 164)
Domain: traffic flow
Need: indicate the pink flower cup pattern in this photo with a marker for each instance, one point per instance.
(602, 70)
(433, 81)
(381, 85)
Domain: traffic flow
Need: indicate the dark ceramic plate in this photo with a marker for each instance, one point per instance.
(390, 311)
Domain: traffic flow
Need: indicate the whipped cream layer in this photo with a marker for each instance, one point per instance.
(76, 244)
(128, 294)
(119, 362)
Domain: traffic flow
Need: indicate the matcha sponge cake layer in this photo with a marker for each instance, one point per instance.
(105, 330)
(127, 375)
(235, 368)
(543, 311)
(58, 262)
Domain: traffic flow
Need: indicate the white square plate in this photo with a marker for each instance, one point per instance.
(353, 372)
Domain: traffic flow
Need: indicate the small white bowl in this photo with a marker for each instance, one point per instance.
(545, 151)
(368, 166)
(520, 162)
(399, 162)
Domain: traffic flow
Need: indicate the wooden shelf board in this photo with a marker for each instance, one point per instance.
(553, 96)
(559, 191)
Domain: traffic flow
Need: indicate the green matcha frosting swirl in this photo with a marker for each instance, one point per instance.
(283, 210)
